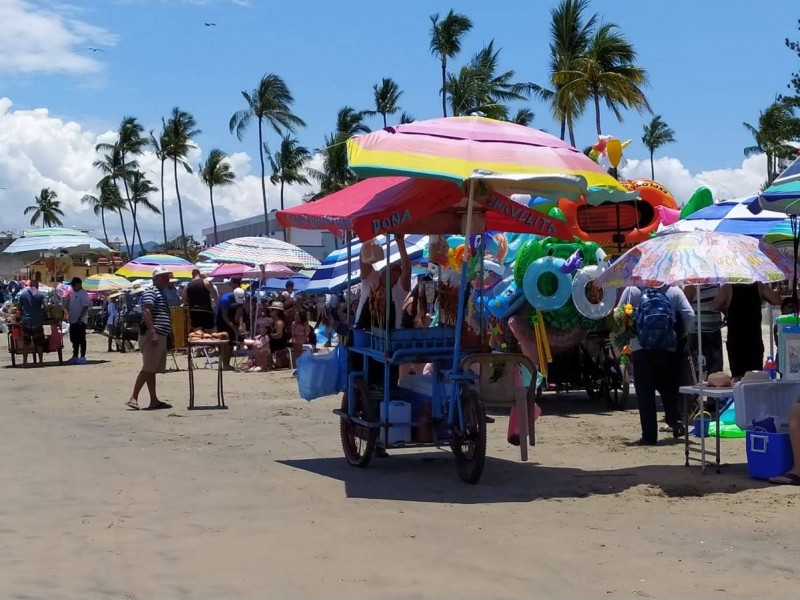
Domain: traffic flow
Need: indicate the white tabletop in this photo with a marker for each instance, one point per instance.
(707, 391)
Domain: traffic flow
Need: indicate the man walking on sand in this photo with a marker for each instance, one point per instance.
(32, 302)
(156, 326)
(78, 304)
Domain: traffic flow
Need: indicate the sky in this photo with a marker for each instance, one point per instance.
(712, 65)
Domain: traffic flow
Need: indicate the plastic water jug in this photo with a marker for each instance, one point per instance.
(399, 412)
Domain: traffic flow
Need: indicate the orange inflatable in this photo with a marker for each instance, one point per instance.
(618, 226)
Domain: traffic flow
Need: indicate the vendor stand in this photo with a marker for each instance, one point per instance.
(452, 411)
(53, 341)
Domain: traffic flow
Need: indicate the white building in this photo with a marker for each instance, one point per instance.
(317, 243)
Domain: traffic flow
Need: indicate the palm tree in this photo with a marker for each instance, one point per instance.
(570, 33)
(108, 200)
(217, 172)
(270, 101)
(445, 43)
(524, 117)
(479, 88)
(158, 144)
(406, 118)
(606, 70)
(335, 174)
(47, 208)
(113, 169)
(777, 124)
(130, 144)
(288, 164)
(141, 187)
(654, 135)
(387, 93)
(179, 130)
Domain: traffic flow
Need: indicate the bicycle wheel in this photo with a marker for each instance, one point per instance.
(619, 387)
(469, 445)
(358, 442)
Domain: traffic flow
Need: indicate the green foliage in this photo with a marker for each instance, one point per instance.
(47, 208)
(445, 42)
(655, 135)
(777, 124)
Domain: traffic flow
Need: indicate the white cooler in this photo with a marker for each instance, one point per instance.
(762, 399)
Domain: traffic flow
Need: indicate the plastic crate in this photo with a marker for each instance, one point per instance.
(756, 400)
(768, 454)
(361, 338)
(429, 338)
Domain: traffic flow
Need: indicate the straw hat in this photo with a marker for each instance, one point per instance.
(276, 306)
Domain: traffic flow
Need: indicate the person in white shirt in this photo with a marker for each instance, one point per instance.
(78, 304)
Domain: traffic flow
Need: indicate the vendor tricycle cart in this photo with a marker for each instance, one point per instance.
(56, 345)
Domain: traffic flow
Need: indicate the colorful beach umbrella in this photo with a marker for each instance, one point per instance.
(331, 276)
(698, 258)
(227, 270)
(730, 216)
(106, 282)
(784, 193)
(256, 251)
(54, 239)
(507, 156)
(142, 267)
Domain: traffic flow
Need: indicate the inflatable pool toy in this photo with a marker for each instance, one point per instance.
(544, 299)
(701, 198)
(503, 300)
(617, 225)
(573, 263)
(668, 215)
(514, 242)
(496, 246)
(586, 306)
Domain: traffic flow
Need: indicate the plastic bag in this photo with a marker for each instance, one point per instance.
(322, 374)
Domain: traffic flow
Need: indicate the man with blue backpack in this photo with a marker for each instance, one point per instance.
(661, 316)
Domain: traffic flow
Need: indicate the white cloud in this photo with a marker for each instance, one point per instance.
(45, 37)
(737, 182)
(41, 150)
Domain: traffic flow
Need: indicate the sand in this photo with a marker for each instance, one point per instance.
(257, 502)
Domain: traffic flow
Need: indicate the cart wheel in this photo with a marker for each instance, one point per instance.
(358, 442)
(469, 446)
(619, 387)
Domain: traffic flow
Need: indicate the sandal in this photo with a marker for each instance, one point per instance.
(131, 404)
(158, 405)
(786, 479)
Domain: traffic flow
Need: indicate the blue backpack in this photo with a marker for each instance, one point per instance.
(655, 321)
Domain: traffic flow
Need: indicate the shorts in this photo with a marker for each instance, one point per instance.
(154, 354)
(33, 335)
(201, 319)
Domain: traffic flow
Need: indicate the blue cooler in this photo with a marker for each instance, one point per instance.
(768, 454)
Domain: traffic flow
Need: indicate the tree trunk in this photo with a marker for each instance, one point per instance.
(213, 212)
(286, 234)
(132, 208)
(180, 205)
(125, 235)
(563, 127)
(136, 229)
(163, 207)
(384, 120)
(263, 174)
(105, 233)
(444, 83)
(597, 113)
(652, 167)
(570, 126)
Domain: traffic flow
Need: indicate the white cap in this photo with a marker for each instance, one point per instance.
(161, 271)
(238, 295)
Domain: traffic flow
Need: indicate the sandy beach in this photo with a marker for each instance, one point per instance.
(258, 502)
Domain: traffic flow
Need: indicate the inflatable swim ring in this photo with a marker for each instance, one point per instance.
(503, 301)
(585, 306)
(533, 293)
(620, 224)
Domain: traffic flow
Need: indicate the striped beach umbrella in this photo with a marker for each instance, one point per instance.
(257, 251)
(331, 276)
(106, 282)
(54, 239)
(730, 216)
(142, 267)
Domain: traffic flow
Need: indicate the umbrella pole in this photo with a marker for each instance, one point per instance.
(463, 285)
(348, 238)
(700, 377)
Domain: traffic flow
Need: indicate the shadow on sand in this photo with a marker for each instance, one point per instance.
(431, 477)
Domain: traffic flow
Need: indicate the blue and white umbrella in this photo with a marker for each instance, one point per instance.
(55, 239)
(331, 275)
(730, 216)
(784, 193)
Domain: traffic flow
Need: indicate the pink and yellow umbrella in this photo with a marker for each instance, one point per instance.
(509, 157)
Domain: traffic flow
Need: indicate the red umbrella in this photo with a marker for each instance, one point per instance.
(409, 205)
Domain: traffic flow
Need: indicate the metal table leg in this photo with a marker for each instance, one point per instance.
(716, 416)
(191, 380)
(686, 428)
(220, 388)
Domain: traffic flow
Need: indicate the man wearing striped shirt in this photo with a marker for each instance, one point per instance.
(710, 328)
(156, 326)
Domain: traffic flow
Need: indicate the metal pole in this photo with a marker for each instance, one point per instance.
(349, 241)
(463, 283)
(699, 341)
